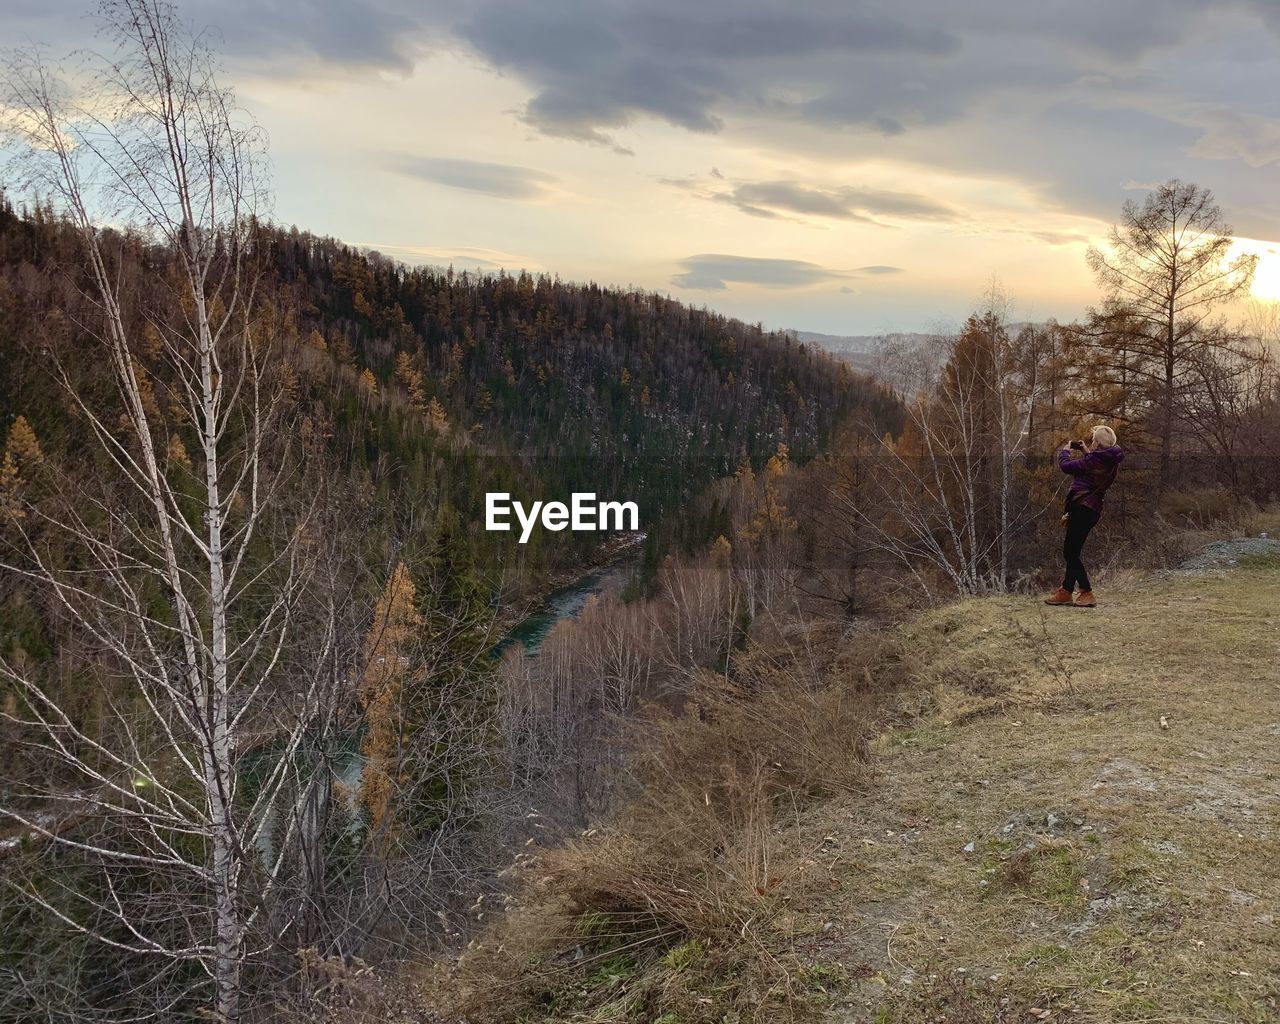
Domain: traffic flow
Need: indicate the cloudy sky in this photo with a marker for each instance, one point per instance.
(846, 166)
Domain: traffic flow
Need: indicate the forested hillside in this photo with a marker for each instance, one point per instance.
(373, 405)
(430, 387)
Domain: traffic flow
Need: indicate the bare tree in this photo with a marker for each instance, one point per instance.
(564, 713)
(1166, 272)
(703, 603)
(147, 139)
(948, 490)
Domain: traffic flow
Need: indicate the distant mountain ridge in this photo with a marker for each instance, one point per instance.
(858, 350)
(837, 342)
(840, 344)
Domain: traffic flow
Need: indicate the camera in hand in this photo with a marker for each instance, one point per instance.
(1078, 445)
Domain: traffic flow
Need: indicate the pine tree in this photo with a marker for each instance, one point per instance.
(368, 382)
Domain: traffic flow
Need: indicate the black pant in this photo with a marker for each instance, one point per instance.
(1080, 520)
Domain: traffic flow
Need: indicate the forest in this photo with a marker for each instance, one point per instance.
(253, 737)
(395, 397)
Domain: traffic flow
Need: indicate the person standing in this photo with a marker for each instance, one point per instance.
(1093, 466)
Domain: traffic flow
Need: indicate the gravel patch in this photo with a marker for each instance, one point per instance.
(1222, 554)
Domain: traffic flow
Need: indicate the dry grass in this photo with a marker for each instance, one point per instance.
(681, 911)
(1067, 815)
(1123, 820)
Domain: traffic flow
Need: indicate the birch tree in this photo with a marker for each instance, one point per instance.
(950, 500)
(187, 584)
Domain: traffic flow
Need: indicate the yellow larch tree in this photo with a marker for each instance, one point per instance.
(412, 381)
(11, 483)
(436, 415)
(772, 517)
(22, 454)
(23, 444)
(388, 666)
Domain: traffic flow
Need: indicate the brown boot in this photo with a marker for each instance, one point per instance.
(1085, 599)
(1059, 596)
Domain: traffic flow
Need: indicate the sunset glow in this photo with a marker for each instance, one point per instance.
(754, 162)
(1266, 279)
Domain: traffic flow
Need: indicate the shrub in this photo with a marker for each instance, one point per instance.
(1202, 507)
(687, 886)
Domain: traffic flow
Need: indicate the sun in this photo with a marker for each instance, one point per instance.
(1266, 278)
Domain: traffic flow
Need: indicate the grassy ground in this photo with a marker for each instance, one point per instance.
(1052, 814)
(1083, 822)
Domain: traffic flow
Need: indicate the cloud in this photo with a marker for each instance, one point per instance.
(932, 83)
(594, 68)
(1235, 135)
(871, 65)
(506, 181)
(278, 37)
(715, 271)
(770, 198)
(1060, 237)
(1159, 87)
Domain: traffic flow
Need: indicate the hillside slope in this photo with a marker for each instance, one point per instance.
(1122, 804)
(1065, 815)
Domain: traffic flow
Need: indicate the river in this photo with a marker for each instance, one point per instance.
(564, 603)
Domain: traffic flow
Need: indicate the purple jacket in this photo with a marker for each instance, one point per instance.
(1091, 475)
